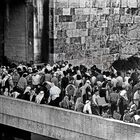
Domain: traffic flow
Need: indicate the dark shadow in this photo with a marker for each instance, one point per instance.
(45, 50)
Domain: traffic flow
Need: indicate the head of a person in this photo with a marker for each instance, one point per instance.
(71, 80)
(24, 75)
(41, 92)
(96, 91)
(79, 77)
(118, 73)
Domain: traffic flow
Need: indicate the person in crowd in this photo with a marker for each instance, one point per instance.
(22, 83)
(65, 103)
(136, 98)
(79, 105)
(54, 97)
(15, 77)
(26, 94)
(135, 76)
(119, 79)
(55, 79)
(70, 89)
(113, 100)
(40, 98)
(87, 107)
(122, 102)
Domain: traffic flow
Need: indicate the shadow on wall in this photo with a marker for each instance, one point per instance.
(45, 50)
(127, 64)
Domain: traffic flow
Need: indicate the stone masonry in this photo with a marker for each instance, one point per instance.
(94, 31)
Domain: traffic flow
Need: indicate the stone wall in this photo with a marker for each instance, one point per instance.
(1, 31)
(63, 124)
(16, 33)
(95, 31)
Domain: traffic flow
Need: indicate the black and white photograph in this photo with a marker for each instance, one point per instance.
(69, 69)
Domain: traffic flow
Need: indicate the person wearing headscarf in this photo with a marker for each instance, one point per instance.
(22, 83)
(122, 102)
(54, 97)
(136, 98)
(26, 94)
(87, 107)
(39, 97)
(65, 102)
(79, 105)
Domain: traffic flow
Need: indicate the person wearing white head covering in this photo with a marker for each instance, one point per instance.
(39, 97)
(122, 103)
(136, 97)
(87, 107)
(54, 94)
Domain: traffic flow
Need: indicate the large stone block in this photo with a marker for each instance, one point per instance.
(85, 3)
(74, 3)
(61, 34)
(76, 33)
(62, 4)
(81, 18)
(83, 32)
(81, 25)
(79, 11)
(86, 11)
(93, 11)
(75, 40)
(70, 33)
(64, 25)
(66, 11)
(67, 18)
(72, 25)
(58, 11)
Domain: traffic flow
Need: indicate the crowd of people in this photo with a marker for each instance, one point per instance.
(106, 93)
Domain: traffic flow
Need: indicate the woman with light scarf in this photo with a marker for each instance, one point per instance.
(39, 97)
(122, 102)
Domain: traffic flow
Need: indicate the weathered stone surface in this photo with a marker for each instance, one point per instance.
(58, 11)
(74, 3)
(61, 34)
(66, 11)
(81, 25)
(67, 18)
(81, 18)
(75, 40)
(101, 29)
